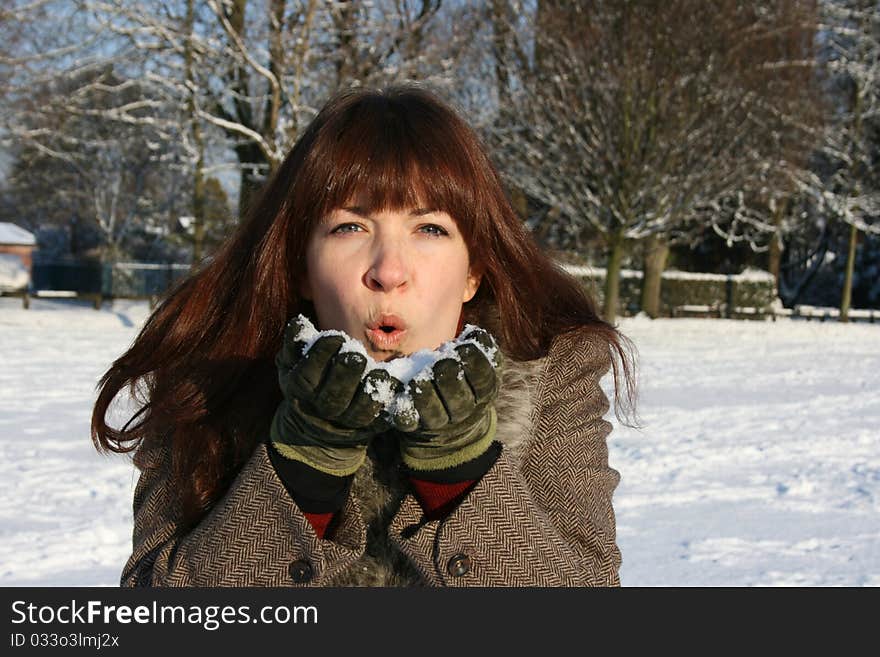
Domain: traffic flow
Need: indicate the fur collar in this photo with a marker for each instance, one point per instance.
(379, 485)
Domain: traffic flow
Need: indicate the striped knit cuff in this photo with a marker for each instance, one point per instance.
(440, 492)
(312, 490)
(469, 470)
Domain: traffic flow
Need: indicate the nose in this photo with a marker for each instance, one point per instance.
(389, 269)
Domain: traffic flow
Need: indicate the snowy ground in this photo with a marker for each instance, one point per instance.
(758, 463)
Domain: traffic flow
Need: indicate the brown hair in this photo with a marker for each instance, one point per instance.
(207, 353)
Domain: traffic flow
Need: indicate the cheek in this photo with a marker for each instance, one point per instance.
(450, 278)
(329, 275)
(333, 281)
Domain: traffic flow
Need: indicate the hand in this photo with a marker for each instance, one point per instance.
(455, 417)
(327, 416)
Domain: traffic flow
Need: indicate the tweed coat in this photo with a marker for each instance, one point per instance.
(541, 516)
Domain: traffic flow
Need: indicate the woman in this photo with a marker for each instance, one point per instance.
(263, 463)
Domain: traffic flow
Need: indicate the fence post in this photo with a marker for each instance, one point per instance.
(107, 279)
(728, 293)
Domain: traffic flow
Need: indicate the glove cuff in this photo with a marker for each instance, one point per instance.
(471, 470)
(429, 458)
(336, 461)
(295, 438)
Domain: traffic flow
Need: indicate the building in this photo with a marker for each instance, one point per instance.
(17, 241)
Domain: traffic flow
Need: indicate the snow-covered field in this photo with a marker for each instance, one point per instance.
(758, 463)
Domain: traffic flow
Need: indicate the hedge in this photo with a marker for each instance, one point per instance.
(726, 293)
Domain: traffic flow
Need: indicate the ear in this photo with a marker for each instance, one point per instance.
(472, 285)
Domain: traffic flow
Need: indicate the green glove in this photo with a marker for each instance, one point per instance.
(327, 416)
(455, 417)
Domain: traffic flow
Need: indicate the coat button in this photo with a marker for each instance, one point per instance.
(459, 565)
(301, 571)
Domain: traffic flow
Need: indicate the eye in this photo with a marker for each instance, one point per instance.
(339, 228)
(440, 231)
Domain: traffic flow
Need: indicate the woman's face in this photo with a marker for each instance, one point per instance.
(405, 269)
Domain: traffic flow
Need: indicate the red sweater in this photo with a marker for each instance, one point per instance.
(321, 496)
(437, 501)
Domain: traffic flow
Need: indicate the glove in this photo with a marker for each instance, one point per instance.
(455, 418)
(327, 416)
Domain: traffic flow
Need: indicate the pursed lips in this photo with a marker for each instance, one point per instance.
(386, 332)
(388, 323)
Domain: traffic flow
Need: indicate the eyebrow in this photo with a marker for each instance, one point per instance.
(362, 212)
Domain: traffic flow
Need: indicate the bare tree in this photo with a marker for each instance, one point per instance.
(80, 166)
(628, 116)
(839, 183)
(258, 71)
(100, 147)
(847, 186)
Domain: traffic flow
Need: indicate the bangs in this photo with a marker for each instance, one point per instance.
(395, 154)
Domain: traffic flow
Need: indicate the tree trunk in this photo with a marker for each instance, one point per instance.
(198, 198)
(254, 171)
(774, 254)
(500, 34)
(74, 236)
(612, 276)
(847, 281)
(254, 162)
(346, 17)
(853, 232)
(656, 253)
(198, 206)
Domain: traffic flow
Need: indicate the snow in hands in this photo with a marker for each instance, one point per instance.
(418, 366)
